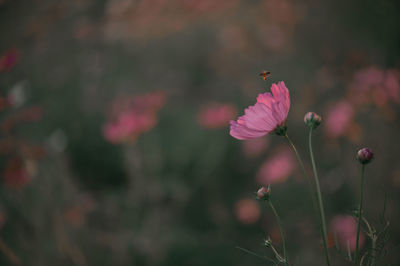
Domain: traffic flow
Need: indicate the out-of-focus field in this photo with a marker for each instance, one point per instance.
(114, 128)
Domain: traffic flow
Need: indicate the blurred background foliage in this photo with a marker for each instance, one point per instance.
(115, 147)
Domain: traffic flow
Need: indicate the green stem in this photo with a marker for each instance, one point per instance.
(301, 166)
(373, 251)
(359, 215)
(320, 203)
(312, 193)
(304, 172)
(281, 229)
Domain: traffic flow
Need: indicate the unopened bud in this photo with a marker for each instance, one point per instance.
(264, 193)
(365, 155)
(312, 120)
(267, 242)
(356, 213)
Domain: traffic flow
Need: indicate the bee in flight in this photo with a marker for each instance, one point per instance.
(265, 74)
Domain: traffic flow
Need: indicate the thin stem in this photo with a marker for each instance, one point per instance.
(373, 251)
(301, 166)
(304, 172)
(277, 255)
(278, 220)
(255, 254)
(359, 215)
(320, 203)
(370, 231)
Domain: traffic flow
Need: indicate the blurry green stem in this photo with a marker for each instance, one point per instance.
(278, 220)
(301, 164)
(359, 215)
(373, 252)
(320, 203)
(304, 173)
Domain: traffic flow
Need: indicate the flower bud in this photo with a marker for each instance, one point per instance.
(365, 155)
(264, 193)
(312, 120)
(267, 242)
(356, 213)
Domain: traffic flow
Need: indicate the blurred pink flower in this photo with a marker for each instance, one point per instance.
(247, 211)
(392, 85)
(280, 11)
(265, 116)
(132, 116)
(153, 101)
(274, 37)
(344, 227)
(368, 77)
(148, 102)
(216, 115)
(338, 119)
(254, 147)
(277, 168)
(376, 85)
(9, 59)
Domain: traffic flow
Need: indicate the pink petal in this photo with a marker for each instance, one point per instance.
(266, 98)
(279, 112)
(285, 91)
(242, 132)
(259, 117)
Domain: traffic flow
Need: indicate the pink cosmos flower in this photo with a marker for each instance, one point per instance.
(216, 115)
(344, 227)
(247, 211)
(266, 116)
(277, 168)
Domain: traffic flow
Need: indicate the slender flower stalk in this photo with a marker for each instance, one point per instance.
(320, 203)
(359, 215)
(313, 198)
(301, 165)
(317, 209)
(364, 156)
(278, 220)
(264, 193)
(373, 252)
